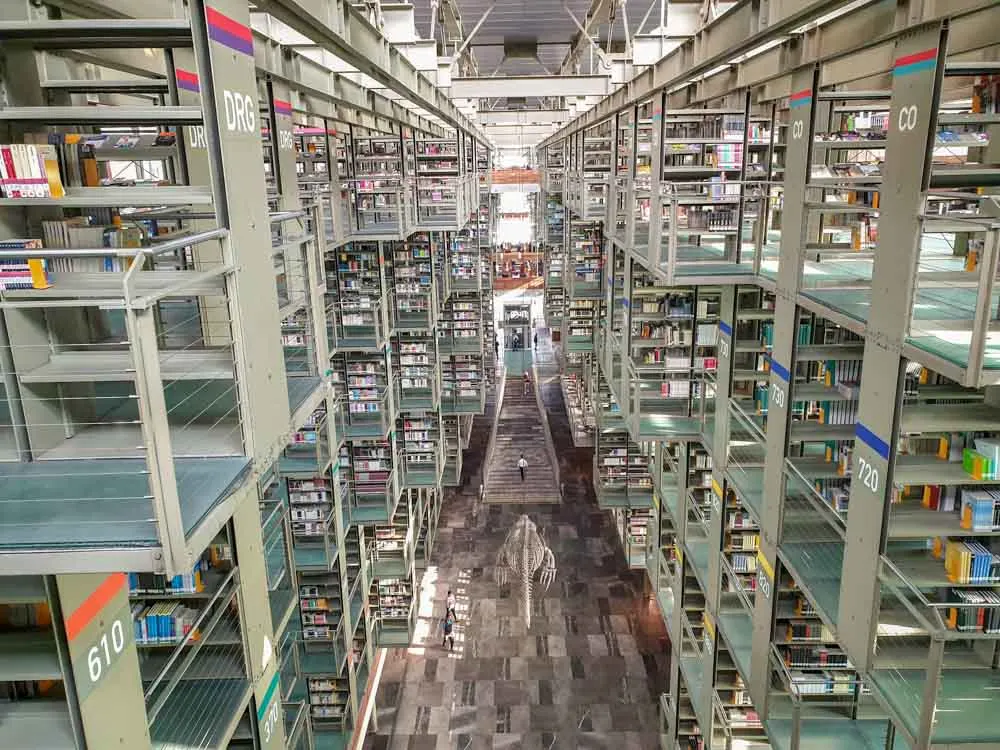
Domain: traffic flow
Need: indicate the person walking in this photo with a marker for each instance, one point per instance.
(526, 383)
(522, 464)
(449, 605)
(448, 639)
(536, 340)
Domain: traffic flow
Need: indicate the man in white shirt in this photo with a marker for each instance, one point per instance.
(522, 464)
(449, 605)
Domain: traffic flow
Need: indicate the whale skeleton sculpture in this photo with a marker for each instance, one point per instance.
(523, 554)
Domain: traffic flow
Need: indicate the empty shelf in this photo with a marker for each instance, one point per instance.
(116, 366)
(112, 197)
(103, 502)
(98, 33)
(29, 656)
(127, 86)
(108, 286)
(34, 724)
(22, 590)
(97, 115)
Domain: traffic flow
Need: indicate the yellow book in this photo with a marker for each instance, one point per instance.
(50, 161)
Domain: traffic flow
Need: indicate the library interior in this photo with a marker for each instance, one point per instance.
(466, 375)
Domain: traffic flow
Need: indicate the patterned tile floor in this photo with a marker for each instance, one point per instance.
(586, 675)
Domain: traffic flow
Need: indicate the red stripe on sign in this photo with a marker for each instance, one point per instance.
(227, 24)
(803, 94)
(93, 604)
(186, 75)
(927, 54)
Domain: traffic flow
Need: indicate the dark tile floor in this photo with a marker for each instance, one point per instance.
(586, 675)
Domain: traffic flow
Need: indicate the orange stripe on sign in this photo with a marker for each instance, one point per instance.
(94, 603)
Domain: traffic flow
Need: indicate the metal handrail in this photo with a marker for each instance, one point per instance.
(491, 446)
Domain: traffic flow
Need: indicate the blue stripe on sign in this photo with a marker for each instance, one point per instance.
(726, 328)
(872, 440)
(779, 370)
(625, 302)
(265, 704)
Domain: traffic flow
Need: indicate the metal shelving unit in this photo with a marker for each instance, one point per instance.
(182, 384)
(813, 542)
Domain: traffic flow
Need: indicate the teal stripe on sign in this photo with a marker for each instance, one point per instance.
(268, 697)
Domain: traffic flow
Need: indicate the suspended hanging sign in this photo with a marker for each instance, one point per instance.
(515, 176)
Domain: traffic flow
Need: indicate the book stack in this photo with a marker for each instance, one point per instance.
(29, 170)
(26, 273)
(157, 583)
(969, 562)
(980, 510)
(163, 623)
(979, 611)
(82, 232)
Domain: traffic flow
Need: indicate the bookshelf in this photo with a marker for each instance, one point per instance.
(356, 291)
(422, 459)
(586, 259)
(438, 184)
(460, 329)
(369, 467)
(463, 261)
(415, 295)
(377, 192)
(451, 429)
(364, 379)
(415, 359)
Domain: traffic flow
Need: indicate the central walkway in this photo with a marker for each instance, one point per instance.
(588, 674)
(521, 432)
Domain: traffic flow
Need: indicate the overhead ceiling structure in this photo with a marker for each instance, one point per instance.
(559, 57)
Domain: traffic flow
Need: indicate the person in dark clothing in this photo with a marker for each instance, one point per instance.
(448, 639)
(536, 340)
(496, 346)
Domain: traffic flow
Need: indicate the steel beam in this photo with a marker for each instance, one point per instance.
(535, 86)
(490, 117)
(735, 33)
(312, 80)
(716, 56)
(337, 27)
(581, 41)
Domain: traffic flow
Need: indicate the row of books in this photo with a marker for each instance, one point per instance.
(159, 584)
(979, 611)
(30, 170)
(968, 562)
(815, 656)
(823, 682)
(808, 630)
(164, 622)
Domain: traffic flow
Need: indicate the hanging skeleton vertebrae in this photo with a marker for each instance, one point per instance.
(522, 554)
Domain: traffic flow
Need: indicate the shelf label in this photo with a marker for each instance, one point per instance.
(708, 636)
(765, 576)
(870, 472)
(716, 497)
(727, 334)
(269, 716)
(99, 630)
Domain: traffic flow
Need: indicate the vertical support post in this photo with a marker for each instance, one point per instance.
(225, 151)
(799, 136)
(916, 89)
(95, 621)
(655, 178)
(283, 144)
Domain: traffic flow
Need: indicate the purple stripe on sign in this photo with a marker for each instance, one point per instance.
(228, 39)
(187, 80)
